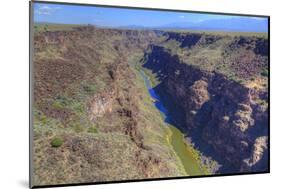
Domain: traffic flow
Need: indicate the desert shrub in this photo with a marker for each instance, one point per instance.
(38, 115)
(57, 105)
(44, 119)
(78, 107)
(62, 102)
(56, 142)
(77, 127)
(89, 88)
(93, 129)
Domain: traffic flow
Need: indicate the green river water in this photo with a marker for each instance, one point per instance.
(186, 153)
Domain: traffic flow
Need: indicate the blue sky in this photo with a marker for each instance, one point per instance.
(116, 17)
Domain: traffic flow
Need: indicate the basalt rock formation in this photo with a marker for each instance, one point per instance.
(225, 119)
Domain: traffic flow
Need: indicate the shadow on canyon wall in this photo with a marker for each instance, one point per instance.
(215, 113)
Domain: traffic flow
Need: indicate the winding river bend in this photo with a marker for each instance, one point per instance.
(185, 152)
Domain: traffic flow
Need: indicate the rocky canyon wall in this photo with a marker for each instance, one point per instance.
(225, 119)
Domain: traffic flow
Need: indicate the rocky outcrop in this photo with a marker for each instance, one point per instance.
(100, 104)
(261, 47)
(218, 113)
(185, 40)
(258, 156)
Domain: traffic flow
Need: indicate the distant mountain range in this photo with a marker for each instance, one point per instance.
(234, 24)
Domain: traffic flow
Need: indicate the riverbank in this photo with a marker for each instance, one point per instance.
(189, 157)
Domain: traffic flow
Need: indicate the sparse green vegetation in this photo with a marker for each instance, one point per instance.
(58, 105)
(56, 142)
(89, 88)
(93, 129)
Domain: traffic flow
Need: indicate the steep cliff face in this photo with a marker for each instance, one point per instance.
(225, 119)
(87, 94)
(185, 40)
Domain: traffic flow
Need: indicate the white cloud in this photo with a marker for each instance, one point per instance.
(45, 10)
(181, 16)
(258, 18)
